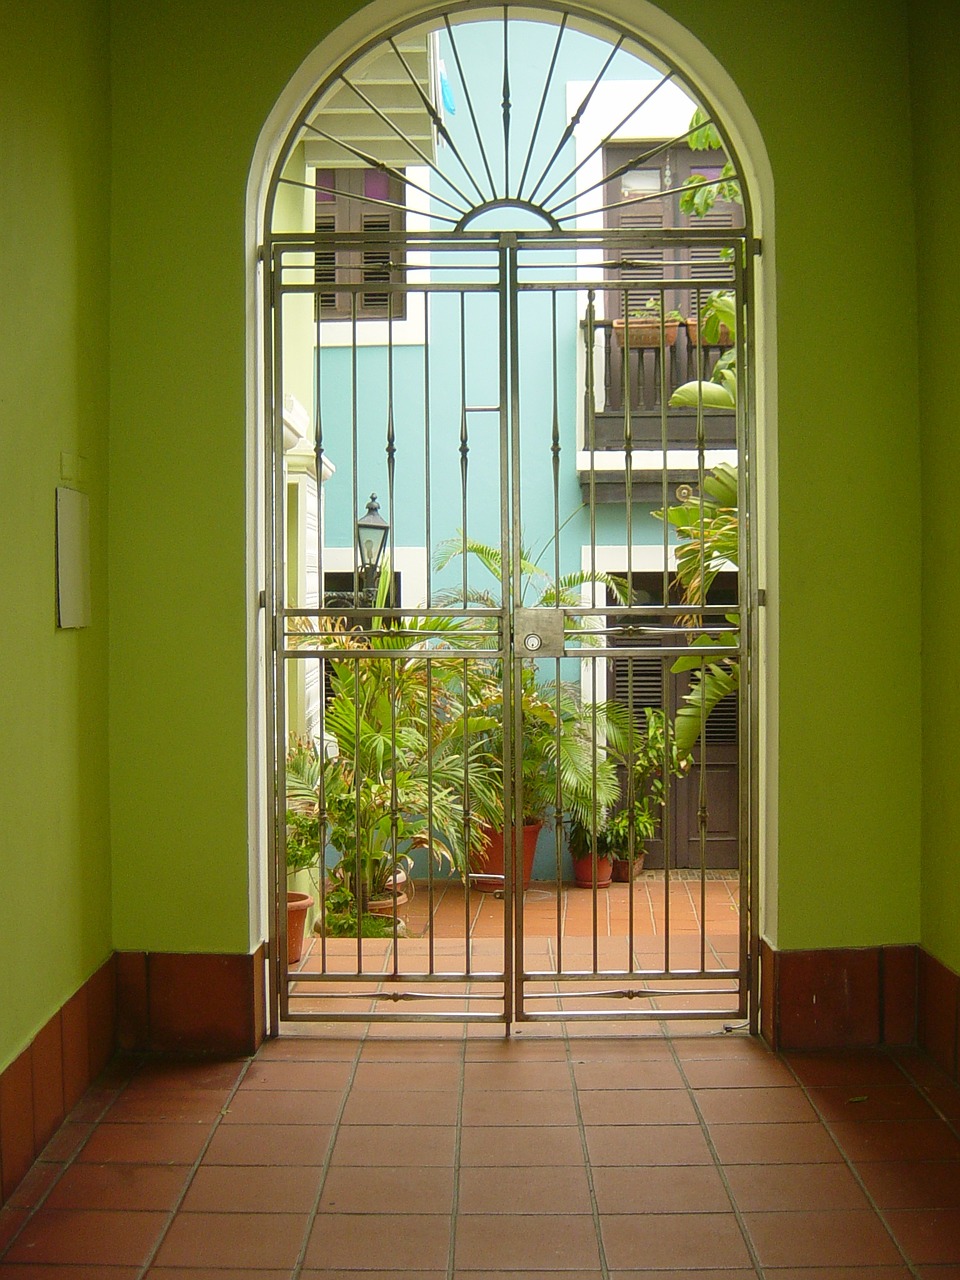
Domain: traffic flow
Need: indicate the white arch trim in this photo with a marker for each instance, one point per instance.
(658, 29)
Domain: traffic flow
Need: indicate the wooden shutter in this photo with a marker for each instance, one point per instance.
(325, 269)
(637, 682)
(724, 216)
(375, 267)
(646, 215)
(338, 212)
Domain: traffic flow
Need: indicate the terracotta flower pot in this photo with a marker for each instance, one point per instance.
(583, 872)
(621, 867)
(724, 336)
(298, 904)
(645, 333)
(383, 906)
(491, 863)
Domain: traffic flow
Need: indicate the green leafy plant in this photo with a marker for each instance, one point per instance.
(701, 194)
(719, 309)
(402, 770)
(537, 588)
(302, 819)
(651, 311)
(708, 529)
(720, 390)
(641, 757)
(303, 834)
(340, 916)
(556, 748)
(397, 781)
(617, 834)
(558, 730)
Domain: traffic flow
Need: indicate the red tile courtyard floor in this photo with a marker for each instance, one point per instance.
(447, 1152)
(331, 1155)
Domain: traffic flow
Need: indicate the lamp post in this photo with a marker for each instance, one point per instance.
(372, 531)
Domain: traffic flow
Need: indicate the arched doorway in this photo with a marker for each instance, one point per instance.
(508, 265)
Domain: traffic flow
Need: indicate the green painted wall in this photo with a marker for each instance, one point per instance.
(54, 198)
(828, 87)
(936, 68)
(190, 88)
(192, 85)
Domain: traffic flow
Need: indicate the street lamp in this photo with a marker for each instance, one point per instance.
(372, 532)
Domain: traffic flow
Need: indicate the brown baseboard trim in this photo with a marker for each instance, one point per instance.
(190, 1003)
(145, 1002)
(40, 1087)
(839, 998)
(938, 1002)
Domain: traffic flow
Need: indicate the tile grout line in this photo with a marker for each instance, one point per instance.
(298, 1265)
(457, 1143)
(714, 1155)
(151, 1257)
(952, 1125)
(64, 1164)
(854, 1171)
(588, 1167)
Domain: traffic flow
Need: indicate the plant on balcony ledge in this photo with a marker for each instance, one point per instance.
(718, 312)
(713, 326)
(643, 324)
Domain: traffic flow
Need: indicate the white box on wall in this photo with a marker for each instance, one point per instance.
(73, 558)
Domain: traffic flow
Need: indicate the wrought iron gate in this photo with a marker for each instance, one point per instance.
(552, 656)
(492, 699)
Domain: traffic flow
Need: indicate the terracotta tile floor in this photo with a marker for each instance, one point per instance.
(472, 1156)
(719, 908)
(571, 936)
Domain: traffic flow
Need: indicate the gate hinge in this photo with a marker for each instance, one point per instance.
(756, 245)
(761, 597)
(262, 600)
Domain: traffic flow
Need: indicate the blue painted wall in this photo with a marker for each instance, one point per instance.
(464, 349)
(479, 46)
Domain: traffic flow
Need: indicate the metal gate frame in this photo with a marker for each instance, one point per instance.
(283, 258)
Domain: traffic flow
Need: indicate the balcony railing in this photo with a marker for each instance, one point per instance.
(635, 375)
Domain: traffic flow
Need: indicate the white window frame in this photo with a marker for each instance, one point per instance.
(409, 562)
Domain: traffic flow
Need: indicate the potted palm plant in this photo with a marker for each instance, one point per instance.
(558, 773)
(614, 835)
(393, 777)
(556, 748)
(302, 842)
